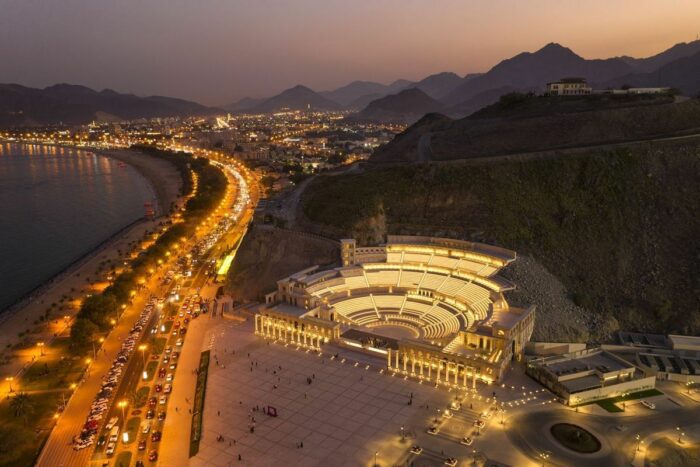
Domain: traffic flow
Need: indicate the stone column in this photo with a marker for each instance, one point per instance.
(439, 368)
(388, 358)
(456, 373)
(397, 360)
(405, 358)
(464, 368)
(430, 368)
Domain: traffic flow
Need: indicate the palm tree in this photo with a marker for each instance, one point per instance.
(21, 405)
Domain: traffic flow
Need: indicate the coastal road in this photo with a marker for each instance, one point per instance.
(58, 450)
(174, 447)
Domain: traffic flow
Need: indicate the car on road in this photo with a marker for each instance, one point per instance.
(433, 430)
(163, 400)
(179, 342)
(110, 448)
(110, 424)
(161, 416)
(169, 378)
(159, 387)
(415, 449)
(467, 441)
(142, 445)
(161, 372)
(479, 423)
(648, 405)
(139, 463)
(173, 366)
(168, 388)
(155, 436)
(145, 427)
(150, 414)
(153, 456)
(152, 401)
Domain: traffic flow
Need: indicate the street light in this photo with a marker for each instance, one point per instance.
(402, 436)
(41, 348)
(142, 348)
(88, 361)
(375, 458)
(9, 379)
(122, 404)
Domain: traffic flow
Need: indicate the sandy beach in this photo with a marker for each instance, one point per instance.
(22, 328)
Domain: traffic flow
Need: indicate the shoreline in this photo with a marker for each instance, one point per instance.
(21, 320)
(126, 157)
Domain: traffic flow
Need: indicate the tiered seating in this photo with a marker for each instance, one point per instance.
(410, 279)
(388, 301)
(416, 258)
(351, 304)
(451, 286)
(383, 278)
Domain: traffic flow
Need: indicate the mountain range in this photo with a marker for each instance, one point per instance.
(72, 105)
(677, 67)
(446, 92)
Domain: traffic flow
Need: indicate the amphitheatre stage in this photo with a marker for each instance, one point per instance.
(432, 308)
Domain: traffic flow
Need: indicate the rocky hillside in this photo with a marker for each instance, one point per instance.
(268, 255)
(508, 126)
(618, 228)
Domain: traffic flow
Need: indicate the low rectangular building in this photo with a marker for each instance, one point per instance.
(588, 375)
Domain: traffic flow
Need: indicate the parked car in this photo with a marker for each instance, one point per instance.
(648, 405)
(153, 456)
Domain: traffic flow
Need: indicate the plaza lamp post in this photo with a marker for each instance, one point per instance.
(41, 348)
(638, 438)
(375, 458)
(544, 456)
(402, 434)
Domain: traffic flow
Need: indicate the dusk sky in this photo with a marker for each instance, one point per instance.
(216, 51)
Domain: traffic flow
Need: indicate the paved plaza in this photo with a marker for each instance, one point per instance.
(343, 417)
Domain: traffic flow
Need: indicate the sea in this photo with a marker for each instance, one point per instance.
(56, 206)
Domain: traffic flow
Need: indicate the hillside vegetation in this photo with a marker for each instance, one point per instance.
(524, 123)
(618, 228)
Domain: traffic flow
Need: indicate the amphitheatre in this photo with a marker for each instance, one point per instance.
(434, 308)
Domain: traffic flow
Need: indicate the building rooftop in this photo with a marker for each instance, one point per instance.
(600, 361)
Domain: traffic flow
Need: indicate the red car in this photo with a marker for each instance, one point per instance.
(153, 456)
(155, 436)
(159, 387)
(152, 401)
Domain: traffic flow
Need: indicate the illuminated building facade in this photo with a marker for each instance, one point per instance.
(433, 307)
